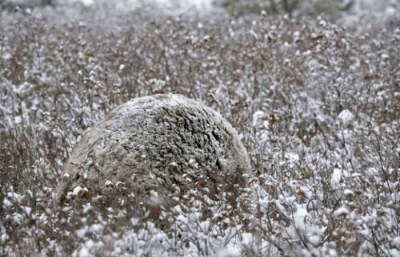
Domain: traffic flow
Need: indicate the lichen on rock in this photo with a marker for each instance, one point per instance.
(156, 150)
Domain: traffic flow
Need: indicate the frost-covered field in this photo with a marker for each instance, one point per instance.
(317, 106)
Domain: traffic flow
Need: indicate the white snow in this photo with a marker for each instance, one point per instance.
(109, 183)
(341, 211)
(257, 118)
(229, 252)
(345, 117)
(15, 196)
(348, 192)
(394, 253)
(84, 252)
(3, 236)
(396, 242)
(6, 203)
(78, 189)
(300, 217)
(336, 177)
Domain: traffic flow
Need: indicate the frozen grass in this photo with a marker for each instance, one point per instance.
(317, 107)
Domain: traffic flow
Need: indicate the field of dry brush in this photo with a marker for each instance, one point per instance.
(317, 106)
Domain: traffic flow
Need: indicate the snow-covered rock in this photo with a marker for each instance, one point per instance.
(163, 145)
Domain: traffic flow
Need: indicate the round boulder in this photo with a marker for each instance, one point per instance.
(158, 151)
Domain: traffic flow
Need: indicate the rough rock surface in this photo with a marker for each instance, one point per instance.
(157, 149)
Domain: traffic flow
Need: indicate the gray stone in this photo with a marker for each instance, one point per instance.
(157, 149)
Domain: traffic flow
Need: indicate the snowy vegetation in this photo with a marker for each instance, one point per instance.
(316, 101)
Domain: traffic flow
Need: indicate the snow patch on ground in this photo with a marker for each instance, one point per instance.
(346, 117)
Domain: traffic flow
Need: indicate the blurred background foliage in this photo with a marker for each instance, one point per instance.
(289, 7)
